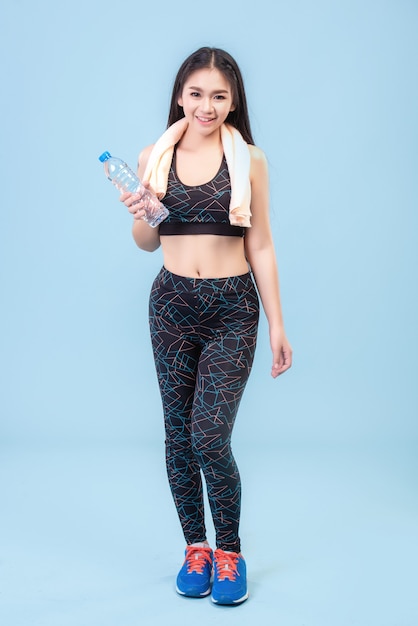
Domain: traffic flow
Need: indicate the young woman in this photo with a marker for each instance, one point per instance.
(204, 305)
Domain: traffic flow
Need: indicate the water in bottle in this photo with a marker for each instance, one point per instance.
(124, 179)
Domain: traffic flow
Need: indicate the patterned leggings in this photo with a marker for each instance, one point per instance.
(203, 334)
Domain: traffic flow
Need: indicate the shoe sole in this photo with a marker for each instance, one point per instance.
(231, 602)
(203, 594)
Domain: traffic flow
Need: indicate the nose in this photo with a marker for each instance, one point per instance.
(206, 105)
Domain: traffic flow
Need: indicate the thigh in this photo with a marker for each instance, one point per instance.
(223, 372)
(226, 359)
(176, 353)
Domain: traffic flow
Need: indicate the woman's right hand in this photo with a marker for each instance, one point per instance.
(134, 204)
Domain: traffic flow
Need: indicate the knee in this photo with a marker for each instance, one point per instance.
(208, 450)
(178, 449)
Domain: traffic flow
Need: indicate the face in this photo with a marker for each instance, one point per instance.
(206, 99)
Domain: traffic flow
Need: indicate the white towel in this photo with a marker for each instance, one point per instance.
(238, 159)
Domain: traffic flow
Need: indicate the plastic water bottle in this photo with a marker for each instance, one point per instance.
(124, 179)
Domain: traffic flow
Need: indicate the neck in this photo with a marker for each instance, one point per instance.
(192, 140)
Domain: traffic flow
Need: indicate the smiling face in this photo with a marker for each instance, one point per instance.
(206, 100)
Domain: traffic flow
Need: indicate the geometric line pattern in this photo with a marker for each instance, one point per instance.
(207, 203)
(204, 334)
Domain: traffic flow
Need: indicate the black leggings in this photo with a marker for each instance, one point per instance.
(203, 334)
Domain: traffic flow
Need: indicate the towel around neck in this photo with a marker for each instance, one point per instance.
(238, 158)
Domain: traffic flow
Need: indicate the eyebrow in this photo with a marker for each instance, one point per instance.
(214, 91)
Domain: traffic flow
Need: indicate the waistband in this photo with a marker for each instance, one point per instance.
(230, 283)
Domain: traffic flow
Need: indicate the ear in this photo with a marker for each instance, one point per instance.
(180, 101)
(233, 107)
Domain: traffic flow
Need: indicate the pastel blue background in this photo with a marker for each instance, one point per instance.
(328, 453)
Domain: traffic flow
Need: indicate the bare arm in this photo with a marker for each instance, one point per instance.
(146, 237)
(261, 256)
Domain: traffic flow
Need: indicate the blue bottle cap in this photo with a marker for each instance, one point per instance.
(104, 157)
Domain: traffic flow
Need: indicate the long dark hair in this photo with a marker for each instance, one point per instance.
(222, 61)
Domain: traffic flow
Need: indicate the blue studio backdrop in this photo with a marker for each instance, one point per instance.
(328, 451)
(333, 98)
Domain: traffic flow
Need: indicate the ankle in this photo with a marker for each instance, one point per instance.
(199, 544)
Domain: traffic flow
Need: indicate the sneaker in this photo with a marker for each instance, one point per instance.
(230, 578)
(193, 579)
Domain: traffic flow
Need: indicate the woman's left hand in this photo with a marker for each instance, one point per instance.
(282, 353)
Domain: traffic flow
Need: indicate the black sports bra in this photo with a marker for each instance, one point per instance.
(200, 210)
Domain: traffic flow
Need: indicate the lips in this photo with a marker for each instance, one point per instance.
(204, 120)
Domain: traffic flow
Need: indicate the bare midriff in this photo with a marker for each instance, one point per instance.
(204, 256)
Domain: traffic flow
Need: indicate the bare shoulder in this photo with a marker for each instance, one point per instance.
(144, 155)
(143, 159)
(256, 153)
(258, 161)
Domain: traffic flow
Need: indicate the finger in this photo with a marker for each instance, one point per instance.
(134, 204)
(138, 201)
(133, 209)
(134, 199)
(139, 214)
(281, 363)
(277, 364)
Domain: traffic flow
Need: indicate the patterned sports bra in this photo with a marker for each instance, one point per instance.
(200, 210)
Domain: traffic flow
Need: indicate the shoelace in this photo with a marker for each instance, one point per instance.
(226, 564)
(196, 559)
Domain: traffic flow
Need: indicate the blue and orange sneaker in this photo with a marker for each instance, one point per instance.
(230, 578)
(194, 578)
